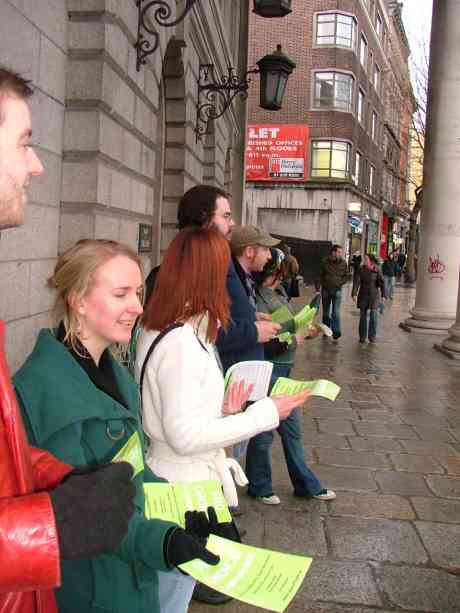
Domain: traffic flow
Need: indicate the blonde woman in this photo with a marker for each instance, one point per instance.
(80, 404)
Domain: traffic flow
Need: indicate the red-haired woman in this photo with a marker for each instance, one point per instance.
(185, 414)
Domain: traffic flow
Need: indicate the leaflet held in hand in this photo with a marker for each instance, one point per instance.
(320, 387)
(255, 372)
(170, 501)
(263, 578)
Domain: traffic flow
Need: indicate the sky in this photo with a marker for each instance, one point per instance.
(417, 20)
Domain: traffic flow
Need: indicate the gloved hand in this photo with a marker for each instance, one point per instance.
(181, 547)
(198, 525)
(92, 508)
(226, 530)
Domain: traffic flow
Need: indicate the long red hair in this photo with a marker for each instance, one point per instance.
(192, 282)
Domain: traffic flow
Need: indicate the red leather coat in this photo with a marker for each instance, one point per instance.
(29, 550)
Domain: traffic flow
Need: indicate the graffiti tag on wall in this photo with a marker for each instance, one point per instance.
(436, 267)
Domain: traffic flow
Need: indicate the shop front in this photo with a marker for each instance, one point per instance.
(355, 230)
(372, 231)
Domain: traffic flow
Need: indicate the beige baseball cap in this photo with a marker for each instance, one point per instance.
(244, 236)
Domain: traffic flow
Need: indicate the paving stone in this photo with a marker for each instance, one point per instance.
(379, 415)
(351, 479)
(421, 589)
(325, 440)
(365, 397)
(368, 406)
(299, 533)
(405, 484)
(445, 487)
(378, 429)
(427, 433)
(422, 418)
(335, 413)
(335, 426)
(382, 540)
(435, 448)
(360, 443)
(452, 465)
(456, 434)
(319, 607)
(446, 511)
(416, 463)
(442, 542)
(337, 457)
(343, 582)
(372, 505)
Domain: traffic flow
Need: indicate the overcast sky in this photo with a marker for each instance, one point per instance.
(417, 22)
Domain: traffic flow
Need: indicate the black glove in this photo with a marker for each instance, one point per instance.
(92, 508)
(226, 530)
(198, 525)
(181, 547)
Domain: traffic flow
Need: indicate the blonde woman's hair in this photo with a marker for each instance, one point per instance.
(73, 277)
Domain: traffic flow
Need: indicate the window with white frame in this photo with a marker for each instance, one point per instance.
(371, 179)
(357, 167)
(360, 112)
(333, 90)
(330, 159)
(376, 78)
(336, 29)
(363, 51)
(374, 126)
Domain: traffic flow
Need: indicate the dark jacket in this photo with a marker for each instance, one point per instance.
(67, 414)
(333, 273)
(366, 286)
(239, 342)
(389, 268)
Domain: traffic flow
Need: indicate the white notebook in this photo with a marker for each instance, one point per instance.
(257, 372)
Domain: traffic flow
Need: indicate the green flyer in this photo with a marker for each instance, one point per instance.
(170, 501)
(260, 577)
(304, 317)
(320, 387)
(131, 453)
(281, 315)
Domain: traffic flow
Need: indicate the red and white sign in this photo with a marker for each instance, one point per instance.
(277, 152)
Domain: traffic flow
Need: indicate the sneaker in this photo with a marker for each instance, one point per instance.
(336, 336)
(325, 495)
(272, 499)
(372, 340)
(362, 340)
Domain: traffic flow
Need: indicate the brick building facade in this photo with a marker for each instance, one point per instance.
(343, 51)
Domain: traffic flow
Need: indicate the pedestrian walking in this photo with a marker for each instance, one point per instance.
(333, 275)
(368, 290)
(389, 267)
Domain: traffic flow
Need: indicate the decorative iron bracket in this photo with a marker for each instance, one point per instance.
(215, 96)
(161, 12)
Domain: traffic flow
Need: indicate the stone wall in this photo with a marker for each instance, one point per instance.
(118, 145)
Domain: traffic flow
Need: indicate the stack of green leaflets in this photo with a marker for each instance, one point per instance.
(170, 501)
(281, 315)
(131, 452)
(263, 578)
(320, 387)
(304, 318)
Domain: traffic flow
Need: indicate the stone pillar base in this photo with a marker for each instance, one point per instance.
(451, 345)
(423, 326)
(453, 355)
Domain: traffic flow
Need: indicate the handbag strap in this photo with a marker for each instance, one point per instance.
(162, 334)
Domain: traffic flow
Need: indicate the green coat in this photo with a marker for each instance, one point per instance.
(66, 414)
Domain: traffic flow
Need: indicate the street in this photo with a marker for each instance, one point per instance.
(390, 447)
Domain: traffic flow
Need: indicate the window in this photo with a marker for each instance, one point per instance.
(330, 159)
(357, 167)
(333, 90)
(374, 126)
(361, 97)
(336, 29)
(378, 25)
(376, 78)
(371, 179)
(363, 51)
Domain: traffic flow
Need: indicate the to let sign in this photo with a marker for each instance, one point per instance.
(277, 152)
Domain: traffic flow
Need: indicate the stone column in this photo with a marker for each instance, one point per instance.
(439, 253)
(451, 345)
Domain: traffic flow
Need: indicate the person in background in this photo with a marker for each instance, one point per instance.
(389, 275)
(186, 415)
(401, 263)
(282, 355)
(368, 291)
(356, 263)
(81, 404)
(290, 270)
(47, 508)
(333, 275)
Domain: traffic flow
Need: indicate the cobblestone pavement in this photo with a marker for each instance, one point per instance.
(390, 447)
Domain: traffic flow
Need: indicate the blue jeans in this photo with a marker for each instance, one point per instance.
(389, 286)
(332, 299)
(373, 318)
(175, 591)
(258, 457)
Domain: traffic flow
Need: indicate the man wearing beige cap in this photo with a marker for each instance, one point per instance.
(248, 329)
